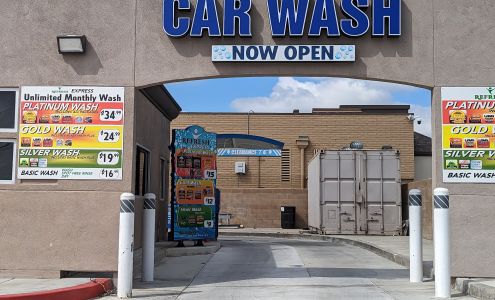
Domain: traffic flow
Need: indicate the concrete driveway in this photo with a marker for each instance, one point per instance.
(270, 268)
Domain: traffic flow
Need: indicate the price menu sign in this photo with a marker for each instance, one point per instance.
(71, 132)
(468, 134)
(195, 171)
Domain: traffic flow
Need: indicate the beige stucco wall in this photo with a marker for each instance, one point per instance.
(460, 26)
(405, 59)
(48, 226)
(422, 167)
(150, 133)
(53, 225)
(444, 43)
(29, 30)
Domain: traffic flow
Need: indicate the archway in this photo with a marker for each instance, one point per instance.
(240, 123)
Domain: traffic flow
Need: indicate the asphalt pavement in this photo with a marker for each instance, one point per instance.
(271, 268)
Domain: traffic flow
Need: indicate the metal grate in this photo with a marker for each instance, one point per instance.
(285, 166)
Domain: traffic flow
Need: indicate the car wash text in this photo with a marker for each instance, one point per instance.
(287, 18)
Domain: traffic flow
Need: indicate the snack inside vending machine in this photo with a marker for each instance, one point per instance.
(193, 181)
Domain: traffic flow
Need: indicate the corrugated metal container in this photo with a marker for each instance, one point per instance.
(355, 192)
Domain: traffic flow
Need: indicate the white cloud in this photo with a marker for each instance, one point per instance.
(289, 94)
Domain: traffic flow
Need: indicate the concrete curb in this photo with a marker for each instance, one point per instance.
(395, 257)
(475, 287)
(188, 251)
(90, 290)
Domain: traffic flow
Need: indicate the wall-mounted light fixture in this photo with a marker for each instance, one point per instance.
(71, 43)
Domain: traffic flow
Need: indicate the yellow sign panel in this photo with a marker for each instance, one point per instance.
(71, 136)
(468, 136)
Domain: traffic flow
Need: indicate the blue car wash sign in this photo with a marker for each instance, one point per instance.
(292, 18)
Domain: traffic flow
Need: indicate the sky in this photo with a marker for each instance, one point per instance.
(284, 94)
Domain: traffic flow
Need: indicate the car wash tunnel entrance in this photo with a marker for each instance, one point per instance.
(264, 176)
(120, 55)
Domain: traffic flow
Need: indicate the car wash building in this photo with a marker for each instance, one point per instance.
(60, 212)
(277, 178)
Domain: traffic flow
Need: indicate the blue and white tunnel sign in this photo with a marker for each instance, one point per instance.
(257, 53)
(249, 152)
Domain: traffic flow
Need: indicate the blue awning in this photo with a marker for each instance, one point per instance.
(247, 145)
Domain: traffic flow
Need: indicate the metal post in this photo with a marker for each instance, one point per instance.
(441, 240)
(415, 237)
(149, 237)
(126, 241)
(248, 120)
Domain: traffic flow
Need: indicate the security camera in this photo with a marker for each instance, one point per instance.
(413, 118)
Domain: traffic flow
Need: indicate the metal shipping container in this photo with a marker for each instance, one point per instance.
(355, 192)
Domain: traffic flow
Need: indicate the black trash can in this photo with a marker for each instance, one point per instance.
(288, 217)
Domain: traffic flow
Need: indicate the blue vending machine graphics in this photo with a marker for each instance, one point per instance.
(193, 184)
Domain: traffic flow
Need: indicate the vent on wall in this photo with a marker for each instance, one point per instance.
(285, 166)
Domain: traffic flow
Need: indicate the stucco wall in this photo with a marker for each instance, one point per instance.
(151, 133)
(460, 28)
(422, 167)
(43, 233)
(72, 225)
(29, 55)
(405, 59)
(48, 225)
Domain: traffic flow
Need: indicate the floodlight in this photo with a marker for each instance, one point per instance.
(71, 43)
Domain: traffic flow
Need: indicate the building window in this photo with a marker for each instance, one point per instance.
(7, 161)
(142, 171)
(8, 110)
(163, 169)
(285, 166)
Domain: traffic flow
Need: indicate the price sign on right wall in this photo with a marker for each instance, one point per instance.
(468, 134)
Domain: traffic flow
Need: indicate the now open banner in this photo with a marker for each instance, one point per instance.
(71, 132)
(283, 53)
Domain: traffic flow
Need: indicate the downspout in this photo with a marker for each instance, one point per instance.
(302, 143)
